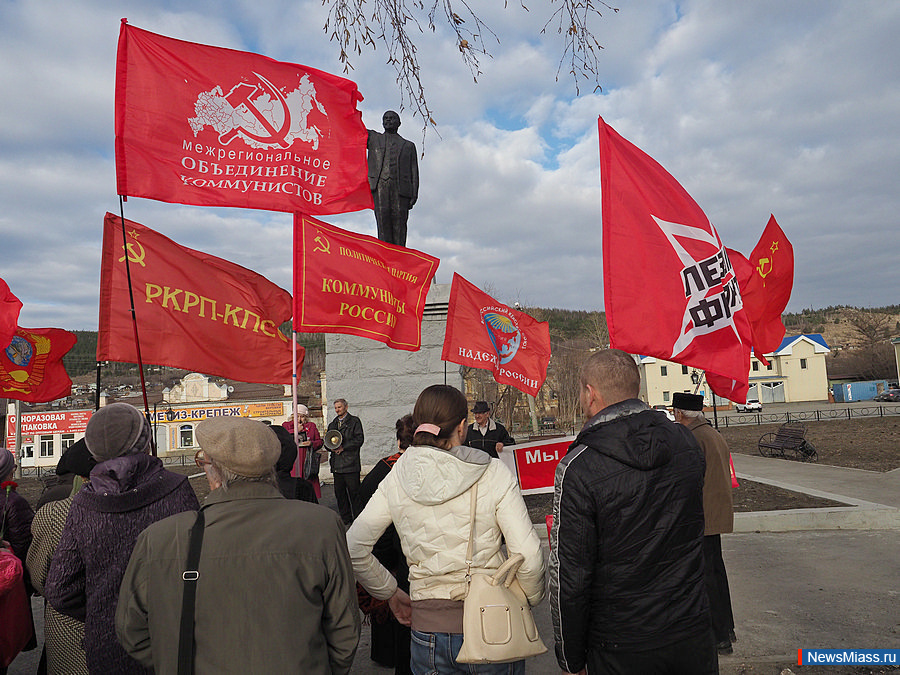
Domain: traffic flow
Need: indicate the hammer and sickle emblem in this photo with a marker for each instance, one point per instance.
(133, 255)
(241, 95)
(322, 244)
(764, 267)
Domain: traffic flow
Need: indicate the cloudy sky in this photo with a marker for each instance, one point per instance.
(780, 107)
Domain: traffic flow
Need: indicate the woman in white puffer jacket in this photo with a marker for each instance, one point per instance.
(426, 497)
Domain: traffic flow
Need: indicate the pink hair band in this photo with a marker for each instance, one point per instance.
(430, 428)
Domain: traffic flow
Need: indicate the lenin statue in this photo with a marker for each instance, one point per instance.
(393, 179)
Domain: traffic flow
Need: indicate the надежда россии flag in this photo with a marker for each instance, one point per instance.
(193, 310)
(670, 289)
(483, 333)
(209, 126)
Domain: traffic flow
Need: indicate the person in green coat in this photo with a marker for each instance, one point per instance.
(276, 591)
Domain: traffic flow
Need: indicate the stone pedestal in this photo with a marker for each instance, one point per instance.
(381, 384)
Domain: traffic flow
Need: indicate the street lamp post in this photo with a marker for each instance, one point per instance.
(697, 378)
(170, 416)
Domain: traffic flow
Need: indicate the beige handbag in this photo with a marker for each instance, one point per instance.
(498, 626)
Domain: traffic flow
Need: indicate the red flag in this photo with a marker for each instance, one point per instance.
(482, 333)
(669, 286)
(9, 314)
(358, 285)
(766, 280)
(193, 310)
(31, 367)
(218, 127)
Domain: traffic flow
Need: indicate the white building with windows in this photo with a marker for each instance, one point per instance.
(795, 372)
(174, 413)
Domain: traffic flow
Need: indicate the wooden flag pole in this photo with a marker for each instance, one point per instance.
(137, 342)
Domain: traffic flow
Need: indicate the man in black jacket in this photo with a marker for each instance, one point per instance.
(344, 460)
(485, 433)
(626, 557)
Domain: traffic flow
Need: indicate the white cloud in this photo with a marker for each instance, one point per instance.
(756, 108)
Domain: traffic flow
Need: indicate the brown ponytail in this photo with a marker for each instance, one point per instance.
(441, 405)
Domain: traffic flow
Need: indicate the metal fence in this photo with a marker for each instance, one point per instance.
(817, 415)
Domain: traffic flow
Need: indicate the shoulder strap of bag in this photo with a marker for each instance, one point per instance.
(190, 577)
(470, 549)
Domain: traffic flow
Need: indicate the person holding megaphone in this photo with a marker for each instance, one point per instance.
(344, 457)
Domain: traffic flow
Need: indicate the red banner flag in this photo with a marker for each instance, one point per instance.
(352, 283)
(483, 333)
(31, 367)
(9, 314)
(217, 127)
(193, 310)
(766, 280)
(669, 286)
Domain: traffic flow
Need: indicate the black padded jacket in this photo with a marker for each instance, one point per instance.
(626, 557)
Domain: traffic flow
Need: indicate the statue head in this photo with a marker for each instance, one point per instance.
(391, 122)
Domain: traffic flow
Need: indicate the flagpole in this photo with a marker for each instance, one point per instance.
(298, 467)
(137, 342)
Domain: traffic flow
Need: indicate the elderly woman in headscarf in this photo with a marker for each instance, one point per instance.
(309, 442)
(128, 490)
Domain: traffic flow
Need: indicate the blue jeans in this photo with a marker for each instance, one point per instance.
(435, 654)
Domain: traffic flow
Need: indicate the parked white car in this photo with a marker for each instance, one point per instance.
(752, 405)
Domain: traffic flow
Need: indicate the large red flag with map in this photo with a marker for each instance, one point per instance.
(31, 367)
(669, 286)
(9, 314)
(483, 333)
(217, 127)
(193, 310)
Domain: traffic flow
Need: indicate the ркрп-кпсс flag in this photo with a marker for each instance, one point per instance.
(193, 310)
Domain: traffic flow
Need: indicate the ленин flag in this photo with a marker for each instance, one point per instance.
(217, 127)
(483, 333)
(31, 367)
(670, 289)
(193, 310)
(358, 285)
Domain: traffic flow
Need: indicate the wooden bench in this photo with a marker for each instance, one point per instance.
(788, 442)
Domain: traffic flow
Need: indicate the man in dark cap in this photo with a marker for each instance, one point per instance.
(718, 513)
(75, 462)
(485, 433)
(275, 588)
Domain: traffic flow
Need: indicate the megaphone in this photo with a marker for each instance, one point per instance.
(333, 439)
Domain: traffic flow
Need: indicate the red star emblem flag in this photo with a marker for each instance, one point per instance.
(766, 280)
(670, 289)
(217, 127)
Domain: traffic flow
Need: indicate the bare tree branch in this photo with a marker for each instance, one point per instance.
(355, 24)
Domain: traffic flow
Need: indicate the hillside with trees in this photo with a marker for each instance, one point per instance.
(859, 339)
